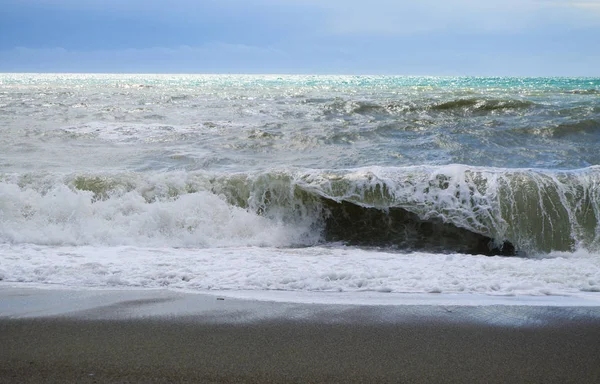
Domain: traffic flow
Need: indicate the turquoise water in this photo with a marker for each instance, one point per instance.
(248, 122)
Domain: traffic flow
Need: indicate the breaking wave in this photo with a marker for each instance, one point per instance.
(454, 208)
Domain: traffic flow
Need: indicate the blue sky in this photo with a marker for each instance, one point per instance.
(426, 37)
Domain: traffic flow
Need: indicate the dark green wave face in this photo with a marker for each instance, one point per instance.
(457, 208)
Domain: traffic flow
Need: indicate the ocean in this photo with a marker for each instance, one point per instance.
(303, 184)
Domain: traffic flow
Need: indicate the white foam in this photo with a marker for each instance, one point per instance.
(312, 269)
(61, 215)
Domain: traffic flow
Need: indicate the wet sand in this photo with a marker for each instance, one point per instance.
(160, 336)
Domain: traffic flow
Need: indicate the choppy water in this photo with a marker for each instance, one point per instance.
(394, 184)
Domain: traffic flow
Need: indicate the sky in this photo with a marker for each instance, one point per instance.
(398, 37)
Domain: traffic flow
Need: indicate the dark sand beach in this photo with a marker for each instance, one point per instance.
(54, 336)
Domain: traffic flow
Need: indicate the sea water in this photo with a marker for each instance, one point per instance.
(301, 183)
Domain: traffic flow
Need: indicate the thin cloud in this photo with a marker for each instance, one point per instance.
(587, 5)
(390, 17)
(211, 57)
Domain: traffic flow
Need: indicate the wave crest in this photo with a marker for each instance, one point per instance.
(452, 208)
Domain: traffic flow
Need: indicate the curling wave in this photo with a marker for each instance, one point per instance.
(454, 208)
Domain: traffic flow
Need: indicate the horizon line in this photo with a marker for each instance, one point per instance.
(287, 74)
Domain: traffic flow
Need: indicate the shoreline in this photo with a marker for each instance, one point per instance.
(82, 295)
(77, 336)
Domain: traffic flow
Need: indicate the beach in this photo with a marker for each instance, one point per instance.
(135, 336)
(299, 228)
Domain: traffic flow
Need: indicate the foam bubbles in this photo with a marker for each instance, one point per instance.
(309, 269)
(62, 215)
